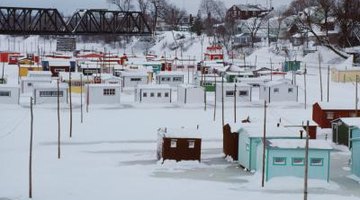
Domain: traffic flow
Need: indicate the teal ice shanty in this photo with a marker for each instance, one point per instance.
(353, 124)
(286, 157)
(250, 136)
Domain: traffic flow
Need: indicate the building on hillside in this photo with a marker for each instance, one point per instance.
(214, 52)
(153, 94)
(9, 94)
(342, 130)
(103, 94)
(179, 144)
(48, 93)
(286, 157)
(242, 91)
(279, 90)
(345, 74)
(172, 78)
(190, 94)
(323, 113)
(246, 11)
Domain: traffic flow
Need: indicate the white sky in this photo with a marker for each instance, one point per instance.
(69, 6)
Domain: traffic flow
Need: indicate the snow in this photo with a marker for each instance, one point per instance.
(351, 121)
(336, 105)
(154, 86)
(299, 144)
(180, 132)
(271, 131)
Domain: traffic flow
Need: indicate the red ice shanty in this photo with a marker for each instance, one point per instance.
(179, 144)
(324, 113)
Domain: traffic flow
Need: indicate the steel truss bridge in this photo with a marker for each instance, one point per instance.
(45, 21)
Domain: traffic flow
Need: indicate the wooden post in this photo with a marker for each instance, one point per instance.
(328, 84)
(222, 100)
(356, 96)
(87, 98)
(81, 98)
(321, 88)
(3, 72)
(70, 99)
(305, 72)
(235, 103)
(58, 116)
(31, 146)
(204, 95)
(264, 147)
(271, 70)
(306, 161)
(215, 97)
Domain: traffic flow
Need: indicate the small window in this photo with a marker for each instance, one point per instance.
(191, 144)
(173, 143)
(290, 90)
(144, 94)
(5, 93)
(152, 94)
(279, 161)
(243, 93)
(168, 79)
(177, 79)
(229, 93)
(329, 115)
(163, 79)
(29, 84)
(316, 162)
(276, 90)
(298, 161)
(135, 79)
(109, 92)
(166, 94)
(159, 94)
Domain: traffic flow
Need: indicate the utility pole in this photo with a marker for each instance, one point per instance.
(58, 116)
(321, 88)
(222, 100)
(3, 73)
(271, 70)
(356, 95)
(31, 146)
(328, 84)
(305, 72)
(264, 147)
(70, 101)
(306, 161)
(81, 97)
(215, 97)
(235, 103)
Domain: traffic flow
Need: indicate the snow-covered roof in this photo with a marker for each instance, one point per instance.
(351, 121)
(232, 85)
(179, 132)
(4, 86)
(336, 106)
(277, 82)
(272, 131)
(92, 65)
(154, 86)
(104, 85)
(36, 78)
(298, 144)
(189, 86)
(133, 73)
(37, 73)
(170, 73)
(74, 76)
(52, 85)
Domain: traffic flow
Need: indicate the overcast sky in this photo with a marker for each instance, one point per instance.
(69, 6)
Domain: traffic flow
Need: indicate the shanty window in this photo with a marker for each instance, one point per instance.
(243, 93)
(51, 93)
(109, 92)
(59, 70)
(329, 115)
(298, 161)
(316, 162)
(177, 79)
(166, 94)
(290, 90)
(135, 79)
(159, 94)
(152, 94)
(173, 143)
(229, 93)
(279, 161)
(165, 79)
(5, 93)
(144, 94)
(29, 84)
(191, 144)
(276, 90)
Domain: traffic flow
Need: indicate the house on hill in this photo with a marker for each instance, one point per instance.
(246, 11)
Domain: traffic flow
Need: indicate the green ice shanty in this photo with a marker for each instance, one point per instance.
(282, 160)
(291, 65)
(342, 130)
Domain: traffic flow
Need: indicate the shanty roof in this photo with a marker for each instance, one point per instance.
(298, 144)
(179, 132)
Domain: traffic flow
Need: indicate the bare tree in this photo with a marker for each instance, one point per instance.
(252, 26)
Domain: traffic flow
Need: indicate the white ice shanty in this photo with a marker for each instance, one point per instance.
(242, 91)
(27, 83)
(103, 94)
(132, 79)
(190, 94)
(172, 78)
(47, 93)
(278, 90)
(9, 94)
(153, 93)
